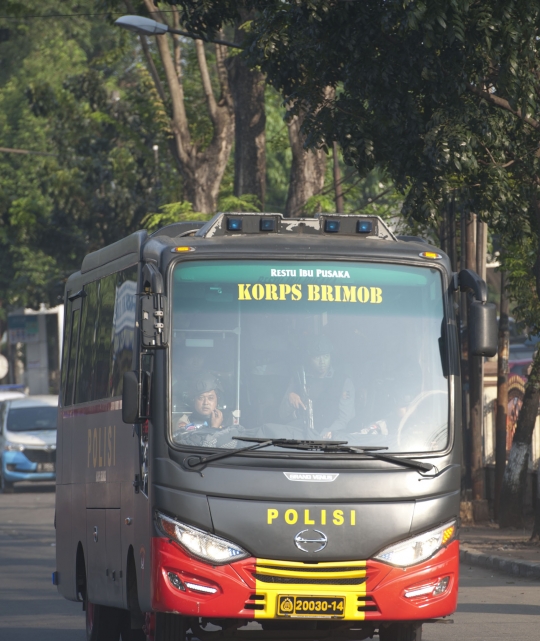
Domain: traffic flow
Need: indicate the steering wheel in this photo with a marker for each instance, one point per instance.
(414, 410)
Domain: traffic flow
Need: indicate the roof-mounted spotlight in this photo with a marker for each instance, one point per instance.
(234, 224)
(267, 224)
(331, 226)
(364, 227)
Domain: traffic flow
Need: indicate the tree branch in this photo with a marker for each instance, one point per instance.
(501, 103)
(176, 42)
(179, 118)
(153, 70)
(223, 74)
(206, 83)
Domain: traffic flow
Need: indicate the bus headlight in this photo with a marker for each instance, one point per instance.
(418, 548)
(207, 547)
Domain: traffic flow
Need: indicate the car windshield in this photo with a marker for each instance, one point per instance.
(27, 419)
(308, 350)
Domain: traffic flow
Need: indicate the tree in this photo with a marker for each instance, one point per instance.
(308, 166)
(71, 94)
(248, 91)
(200, 159)
(307, 169)
(441, 93)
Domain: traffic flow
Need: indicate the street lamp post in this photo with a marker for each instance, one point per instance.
(148, 27)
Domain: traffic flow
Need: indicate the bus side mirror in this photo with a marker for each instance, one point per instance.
(130, 398)
(483, 332)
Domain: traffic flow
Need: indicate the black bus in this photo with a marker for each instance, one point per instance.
(259, 431)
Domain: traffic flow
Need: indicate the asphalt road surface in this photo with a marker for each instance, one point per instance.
(492, 606)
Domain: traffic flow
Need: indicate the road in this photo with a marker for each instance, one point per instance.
(492, 606)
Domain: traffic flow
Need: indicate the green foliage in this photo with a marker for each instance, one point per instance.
(172, 213)
(518, 258)
(246, 202)
(320, 203)
(278, 152)
(75, 90)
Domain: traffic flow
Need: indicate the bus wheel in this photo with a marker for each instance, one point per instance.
(102, 622)
(5, 486)
(401, 632)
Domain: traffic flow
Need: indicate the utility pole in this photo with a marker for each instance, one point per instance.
(502, 395)
(338, 187)
(464, 343)
(474, 251)
(451, 242)
(477, 381)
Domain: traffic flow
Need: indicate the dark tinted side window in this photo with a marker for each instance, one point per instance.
(70, 374)
(107, 335)
(89, 320)
(123, 328)
(102, 365)
(65, 346)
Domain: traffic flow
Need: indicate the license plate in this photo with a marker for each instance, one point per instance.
(311, 606)
(45, 467)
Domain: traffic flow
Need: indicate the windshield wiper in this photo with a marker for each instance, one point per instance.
(370, 451)
(307, 446)
(259, 444)
(343, 447)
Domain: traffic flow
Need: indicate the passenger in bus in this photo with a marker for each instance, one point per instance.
(319, 396)
(205, 424)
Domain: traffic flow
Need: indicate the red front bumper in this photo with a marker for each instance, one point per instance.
(233, 590)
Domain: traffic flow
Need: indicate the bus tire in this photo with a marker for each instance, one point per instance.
(169, 627)
(5, 486)
(401, 632)
(102, 622)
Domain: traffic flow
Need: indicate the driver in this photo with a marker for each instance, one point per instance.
(205, 425)
(319, 396)
(205, 392)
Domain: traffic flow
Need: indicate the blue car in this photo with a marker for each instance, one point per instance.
(27, 440)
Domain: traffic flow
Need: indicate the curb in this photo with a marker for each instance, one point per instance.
(507, 566)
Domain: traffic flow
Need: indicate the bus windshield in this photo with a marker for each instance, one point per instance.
(308, 350)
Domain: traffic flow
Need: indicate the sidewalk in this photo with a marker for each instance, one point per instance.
(508, 551)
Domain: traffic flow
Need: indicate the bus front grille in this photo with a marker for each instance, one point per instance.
(291, 572)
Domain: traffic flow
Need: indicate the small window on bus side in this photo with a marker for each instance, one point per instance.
(102, 370)
(125, 308)
(70, 374)
(107, 335)
(65, 348)
(89, 320)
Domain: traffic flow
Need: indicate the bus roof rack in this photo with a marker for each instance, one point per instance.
(242, 223)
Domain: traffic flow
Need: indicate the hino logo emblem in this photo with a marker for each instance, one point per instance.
(311, 540)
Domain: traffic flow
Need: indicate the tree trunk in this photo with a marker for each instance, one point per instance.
(202, 170)
(338, 187)
(247, 89)
(307, 171)
(515, 474)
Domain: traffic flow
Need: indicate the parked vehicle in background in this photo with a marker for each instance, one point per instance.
(27, 440)
(8, 392)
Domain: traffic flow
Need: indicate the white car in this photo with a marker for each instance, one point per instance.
(27, 440)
